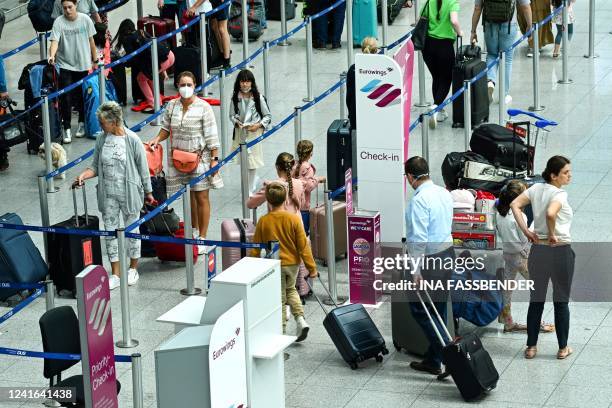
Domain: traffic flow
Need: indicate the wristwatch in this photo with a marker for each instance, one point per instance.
(215, 159)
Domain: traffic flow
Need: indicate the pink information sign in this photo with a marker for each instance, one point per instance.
(405, 59)
(96, 332)
(363, 247)
(348, 186)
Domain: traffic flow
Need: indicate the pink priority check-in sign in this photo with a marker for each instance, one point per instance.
(96, 332)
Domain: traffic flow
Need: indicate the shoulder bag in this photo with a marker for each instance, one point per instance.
(185, 162)
(419, 34)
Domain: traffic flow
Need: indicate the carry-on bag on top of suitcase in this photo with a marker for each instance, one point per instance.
(273, 9)
(364, 21)
(70, 254)
(393, 9)
(453, 167)
(170, 252)
(353, 332)
(318, 230)
(467, 65)
(465, 359)
(236, 230)
(158, 26)
(495, 143)
(20, 260)
(339, 152)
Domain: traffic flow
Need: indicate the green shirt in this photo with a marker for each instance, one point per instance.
(442, 28)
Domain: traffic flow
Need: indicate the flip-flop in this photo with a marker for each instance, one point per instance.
(564, 353)
(547, 327)
(515, 328)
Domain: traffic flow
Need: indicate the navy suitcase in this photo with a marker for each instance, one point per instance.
(70, 254)
(353, 332)
(20, 260)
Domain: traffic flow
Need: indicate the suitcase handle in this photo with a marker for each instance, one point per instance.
(317, 298)
(76, 208)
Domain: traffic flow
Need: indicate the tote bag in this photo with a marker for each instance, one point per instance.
(419, 34)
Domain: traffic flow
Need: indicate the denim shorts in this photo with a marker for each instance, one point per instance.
(220, 15)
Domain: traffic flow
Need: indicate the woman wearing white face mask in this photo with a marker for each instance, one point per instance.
(251, 117)
(190, 124)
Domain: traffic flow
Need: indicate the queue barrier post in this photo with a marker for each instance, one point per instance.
(223, 113)
(591, 53)
(422, 103)
(155, 75)
(310, 97)
(425, 138)
(137, 387)
(384, 11)
(101, 82)
(139, 9)
(331, 250)
(126, 323)
(297, 125)
(49, 295)
(266, 69)
(203, 61)
(245, 30)
(42, 44)
(349, 33)
(501, 87)
(190, 290)
(283, 17)
(343, 95)
(467, 113)
(536, 71)
(244, 176)
(44, 210)
(565, 47)
(47, 141)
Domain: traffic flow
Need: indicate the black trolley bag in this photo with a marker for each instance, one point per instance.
(339, 152)
(353, 332)
(70, 254)
(501, 146)
(465, 359)
(468, 64)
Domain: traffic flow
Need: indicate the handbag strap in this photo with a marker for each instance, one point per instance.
(426, 7)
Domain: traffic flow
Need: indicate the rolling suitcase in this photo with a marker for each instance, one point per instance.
(187, 58)
(467, 65)
(70, 254)
(158, 26)
(273, 9)
(20, 260)
(236, 230)
(497, 144)
(353, 332)
(339, 152)
(318, 230)
(364, 21)
(465, 360)
(169, 252)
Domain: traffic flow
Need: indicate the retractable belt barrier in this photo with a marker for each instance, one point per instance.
(54, 356)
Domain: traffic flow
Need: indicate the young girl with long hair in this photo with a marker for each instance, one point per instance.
(305, 171)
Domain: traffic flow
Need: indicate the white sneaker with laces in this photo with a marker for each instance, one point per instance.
(132, 276)
(80, 130)
(433, 119)
(508, 100)
(491, 90)
(442, 116)
(67, 136)
(114, 282)
(302, 328)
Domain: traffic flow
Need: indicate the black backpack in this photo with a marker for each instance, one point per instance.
(40, 12)
(498, 11)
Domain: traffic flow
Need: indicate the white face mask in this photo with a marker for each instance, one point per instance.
(186, 92)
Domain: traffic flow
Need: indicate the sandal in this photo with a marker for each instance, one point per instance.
(547, 327)
(564, 353)
(555, 55)
(530, 352)
(514, 327)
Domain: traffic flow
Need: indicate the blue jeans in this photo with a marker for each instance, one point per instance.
(497, 39)
(320, 26)
(433, 356)
(559, 36)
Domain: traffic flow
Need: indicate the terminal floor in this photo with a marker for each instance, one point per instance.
(315, 375)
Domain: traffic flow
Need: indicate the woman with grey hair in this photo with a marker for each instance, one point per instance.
(120, 163)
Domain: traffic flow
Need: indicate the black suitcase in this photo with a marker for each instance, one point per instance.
(273, 9)
(339, 153)
(70, 254)
(187, 58)
(213, 52)
(20, 260)
(495, 143)
(353, 332)
(465, 360)
(393, 9)
(118, 77)
(467, 65)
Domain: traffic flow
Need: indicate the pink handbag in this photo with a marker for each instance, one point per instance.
(185, 162)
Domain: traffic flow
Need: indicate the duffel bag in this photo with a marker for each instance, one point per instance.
(15, 132)
(453, 167)
(496, 144)
(164, 223)
(482, 175)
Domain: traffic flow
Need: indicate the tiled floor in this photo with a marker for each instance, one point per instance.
(315, 374)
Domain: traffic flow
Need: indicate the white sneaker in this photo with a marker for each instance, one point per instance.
(530, 53)
(508, 100)
(195, 233)
(433, 119)
(491, 90)
(203, 249)
(442, 116)
(80, 130)
(114, 282)
(67, 136)
(132, 276)
(301, 331)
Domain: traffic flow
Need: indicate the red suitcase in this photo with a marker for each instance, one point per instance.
(158, 26)
(174, 252)
(235, 230)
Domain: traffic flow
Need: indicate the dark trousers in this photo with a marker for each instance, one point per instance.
(433, 356)
(439, 56)
(306, 221)
(554, 264)
(73, 98)
(330, 24)
(171, 11)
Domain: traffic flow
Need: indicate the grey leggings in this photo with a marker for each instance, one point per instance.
(570, 33)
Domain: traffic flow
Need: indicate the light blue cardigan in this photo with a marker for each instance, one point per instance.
(137, 179)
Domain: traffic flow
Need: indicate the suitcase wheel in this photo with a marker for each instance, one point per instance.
(385, 351)
(379, 358)
(397, 346)
(353, 366)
